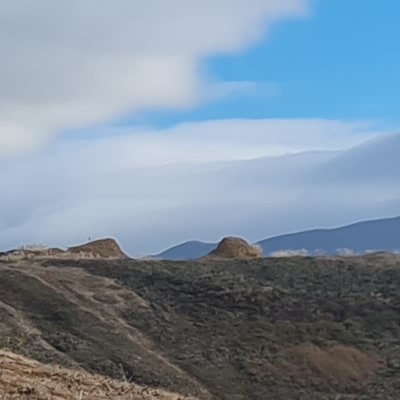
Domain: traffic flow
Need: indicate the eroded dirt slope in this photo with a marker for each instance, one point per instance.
(21, 378)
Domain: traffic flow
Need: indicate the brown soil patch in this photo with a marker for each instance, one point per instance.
(232, 247)
(337, 365)
(22, 378)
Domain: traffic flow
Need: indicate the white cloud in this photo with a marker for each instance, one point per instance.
(71, 64)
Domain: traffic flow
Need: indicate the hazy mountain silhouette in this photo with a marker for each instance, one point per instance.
(187, 251)
(361, 237)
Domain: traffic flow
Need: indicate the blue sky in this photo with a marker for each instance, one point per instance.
(237, 118)
(341, 62)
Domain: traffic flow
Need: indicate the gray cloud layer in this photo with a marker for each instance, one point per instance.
(102, 187)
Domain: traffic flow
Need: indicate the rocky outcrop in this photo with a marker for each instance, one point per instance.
(232, 247)
(103, 248)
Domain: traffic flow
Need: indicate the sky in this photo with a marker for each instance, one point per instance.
(158, 122)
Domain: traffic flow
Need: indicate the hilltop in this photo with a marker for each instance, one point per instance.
(279, 329)
(100, 249)
(233, 247)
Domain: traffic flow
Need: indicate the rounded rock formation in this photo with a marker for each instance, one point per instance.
(232, 247)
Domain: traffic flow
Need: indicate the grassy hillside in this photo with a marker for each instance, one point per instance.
(298, 328)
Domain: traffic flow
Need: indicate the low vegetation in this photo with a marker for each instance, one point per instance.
(285, 328)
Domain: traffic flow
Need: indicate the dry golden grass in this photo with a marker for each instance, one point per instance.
(24, 379)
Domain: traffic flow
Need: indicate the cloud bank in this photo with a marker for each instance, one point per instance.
(70, 64)
(154, 189)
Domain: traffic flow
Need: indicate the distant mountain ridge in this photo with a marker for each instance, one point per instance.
(360, 237)
(187, 251)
